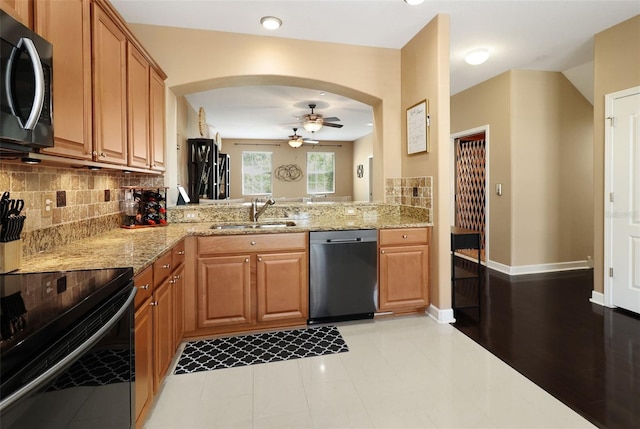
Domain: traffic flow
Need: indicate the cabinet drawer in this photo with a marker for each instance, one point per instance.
(251, 243)
(144, 284)
(393, 237)
(177, 255)
(161, 269)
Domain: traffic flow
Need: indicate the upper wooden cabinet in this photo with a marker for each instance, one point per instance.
(156, 125)
(67, 25)
(20, 10)
(109, 88)
(138, 104)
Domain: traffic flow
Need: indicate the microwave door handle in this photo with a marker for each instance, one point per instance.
(38, 98)
(52, 372)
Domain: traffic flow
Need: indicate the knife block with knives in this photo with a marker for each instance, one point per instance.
(11, 224)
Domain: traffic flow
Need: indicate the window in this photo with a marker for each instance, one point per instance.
(320, 172)
(256, 173)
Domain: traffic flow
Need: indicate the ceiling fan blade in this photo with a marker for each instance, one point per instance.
(310, 141)
(329, 124)
(331, 119)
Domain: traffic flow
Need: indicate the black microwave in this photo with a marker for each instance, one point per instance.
(26, 67)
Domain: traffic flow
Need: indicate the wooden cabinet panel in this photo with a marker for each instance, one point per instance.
(67, 25)
(162, 268)
(224, 291)
(138, 108)
(109, 88)
(178, 305)
(403, 236)
(144, 282)
(156, 118)
(178, 254)
(251, 243)
(163, 328)
(143, 361)
(282, 290)
(408, 291)
(20, 10)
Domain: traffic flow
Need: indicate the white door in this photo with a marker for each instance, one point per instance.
(623, 214)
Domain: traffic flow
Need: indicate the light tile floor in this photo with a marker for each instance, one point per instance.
(408, 372)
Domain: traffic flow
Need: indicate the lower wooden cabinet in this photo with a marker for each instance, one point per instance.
(403, 263)
(159, 325)
(251, 281)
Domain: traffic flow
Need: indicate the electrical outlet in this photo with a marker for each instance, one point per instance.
(61, 198)
(415, 191)
(107, 195)
(349, 211)
(191, 215)
(47, 204)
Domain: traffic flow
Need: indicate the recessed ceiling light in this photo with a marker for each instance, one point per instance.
(413, 2)
(477, 56)
(270, 22)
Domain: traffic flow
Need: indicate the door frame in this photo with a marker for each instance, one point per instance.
(609, 103)
(452, 180)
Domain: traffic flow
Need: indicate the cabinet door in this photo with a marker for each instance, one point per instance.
(224, 291)
(143, 361)
(178, 305)
(110, 89)
(144, 283)
(409, 290)
(138, 107)
(163, 327)
(19, 9)
(282, 291)
(67, 25)
(156, 126)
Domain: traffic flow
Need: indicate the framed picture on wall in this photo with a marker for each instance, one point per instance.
(417, 127)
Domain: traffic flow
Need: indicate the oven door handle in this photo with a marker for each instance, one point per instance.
(59, 366)
(38, 74)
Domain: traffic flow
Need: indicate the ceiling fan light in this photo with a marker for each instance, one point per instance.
(477, 57)
(312, 126)
(295, 143)
(271, 22)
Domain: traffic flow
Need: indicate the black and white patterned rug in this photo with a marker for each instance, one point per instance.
(206, 355)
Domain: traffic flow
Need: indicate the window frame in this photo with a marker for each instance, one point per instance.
(333, 172)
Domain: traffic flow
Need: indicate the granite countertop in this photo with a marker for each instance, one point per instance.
(139, 248)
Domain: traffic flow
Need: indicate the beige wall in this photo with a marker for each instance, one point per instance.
(425, 75)
(616, 67)
(489, 103)
(362, 150)
(540, 134)
(197, 60)
(283, 154)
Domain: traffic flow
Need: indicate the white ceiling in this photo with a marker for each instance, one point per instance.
(536, 35)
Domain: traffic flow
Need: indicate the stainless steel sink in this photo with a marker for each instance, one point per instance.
(254, 225)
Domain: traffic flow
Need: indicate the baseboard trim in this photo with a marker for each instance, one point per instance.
(597, 298)
(440, 316)
(536, 269)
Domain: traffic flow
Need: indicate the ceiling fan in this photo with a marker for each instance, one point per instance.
(296, 141)
(312, 122)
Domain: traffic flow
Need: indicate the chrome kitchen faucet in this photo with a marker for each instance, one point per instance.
(256, 212)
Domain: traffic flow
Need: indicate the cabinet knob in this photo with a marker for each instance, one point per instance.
(166, 266)
(153, 303)
(253, 243)
(259, 259)
(177, 276)
(181, 252)
(404, 235)
(382, 251)
(145, 287)
(172, 281)
(246, 260)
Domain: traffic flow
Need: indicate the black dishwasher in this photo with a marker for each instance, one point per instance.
(343, 281)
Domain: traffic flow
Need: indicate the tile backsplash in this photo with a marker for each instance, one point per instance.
(91, 206)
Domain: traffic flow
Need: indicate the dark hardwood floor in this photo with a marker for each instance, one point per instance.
(544, 326)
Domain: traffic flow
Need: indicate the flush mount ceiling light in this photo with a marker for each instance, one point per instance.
(476, 57)
(270, 22)
(413, 2)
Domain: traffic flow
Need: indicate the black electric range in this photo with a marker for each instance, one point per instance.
(56, 328)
